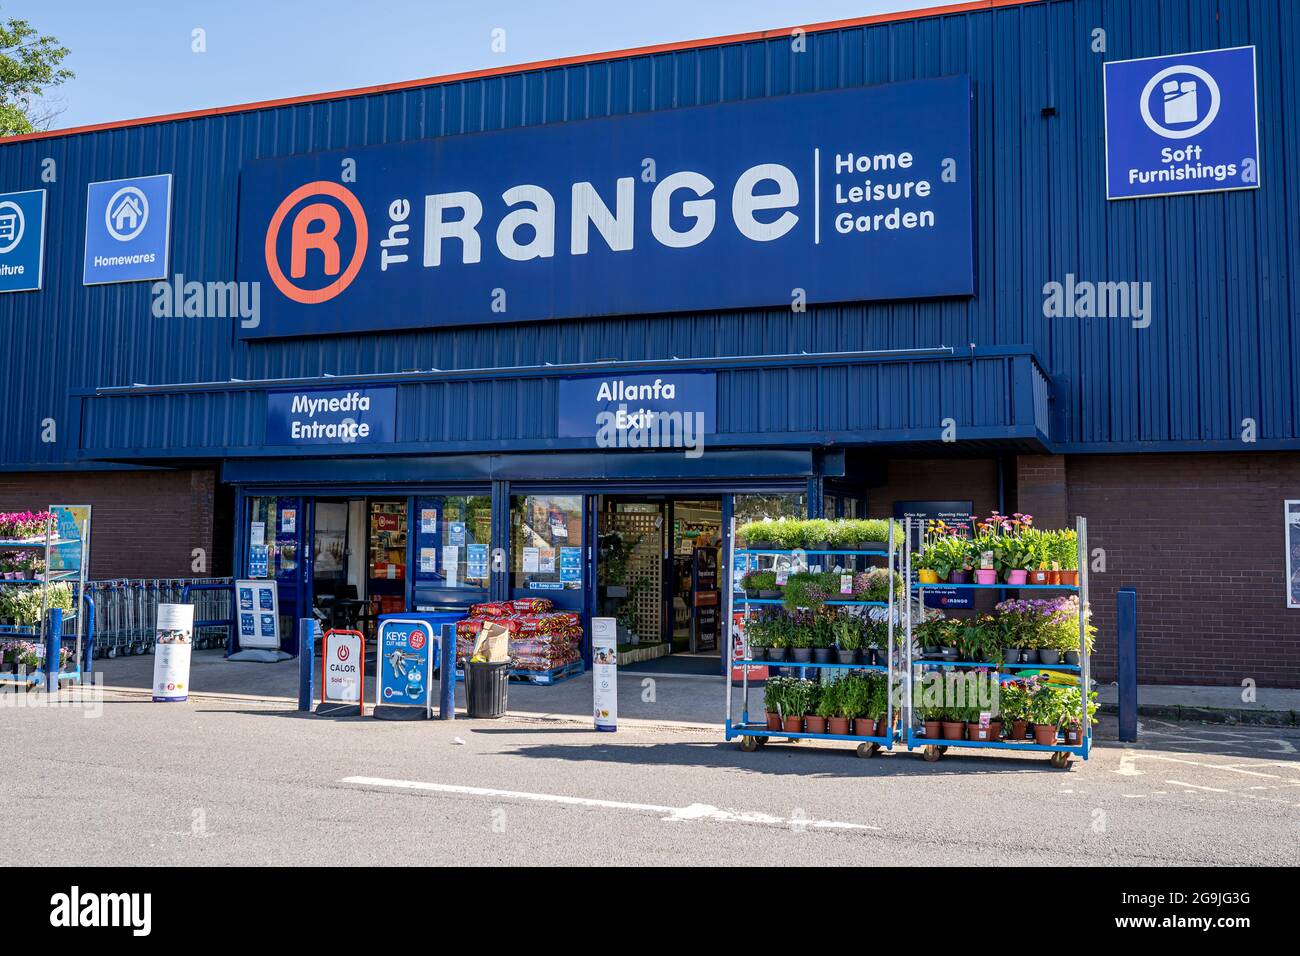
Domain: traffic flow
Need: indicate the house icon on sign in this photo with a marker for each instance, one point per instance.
(126, 214)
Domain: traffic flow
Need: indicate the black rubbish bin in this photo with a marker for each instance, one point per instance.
(486, 689)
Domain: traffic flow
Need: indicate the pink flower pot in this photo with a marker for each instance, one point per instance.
(986, 577)
(1017, 577)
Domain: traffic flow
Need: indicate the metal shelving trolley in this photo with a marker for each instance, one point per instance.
(82, 614)
(754, 735)
(915, 668)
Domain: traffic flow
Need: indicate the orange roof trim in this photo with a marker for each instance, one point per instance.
(966, 7)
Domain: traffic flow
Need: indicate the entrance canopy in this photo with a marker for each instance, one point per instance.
(975, 399)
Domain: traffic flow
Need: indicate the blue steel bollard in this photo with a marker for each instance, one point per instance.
(1126, 658)
(447, 683)
(307, 629)
(53, 646)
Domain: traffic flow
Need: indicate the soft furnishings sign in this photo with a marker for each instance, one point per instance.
(845, 195)
(1185, 123)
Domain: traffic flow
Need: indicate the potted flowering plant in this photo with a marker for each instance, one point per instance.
(774, 700)
(759, 535)
(929, 634)
(1013, 706)
(926, 707)
(855, 698)
(1045, 714)
(1065, 556)
(807, 589)
(1072, 714)
(801, 642)
(797, 701)
(815, 534)
(848, 638)
(1004, 536)
(822, 627)
(756, 635)
(780, 631)
(948, 551)
(875, 639)
(23, 525)
(873, 585)
(815, 721)
(833, 703)
(861, 534)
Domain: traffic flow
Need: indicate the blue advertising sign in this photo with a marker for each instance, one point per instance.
(22, 240)
(955, 513)
(128, 229)
(339, 416)
(1185, 123)
(74, 536)
(633, 401)
(834, 196)
(405, 665)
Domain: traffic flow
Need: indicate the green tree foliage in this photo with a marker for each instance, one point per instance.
(29, 66)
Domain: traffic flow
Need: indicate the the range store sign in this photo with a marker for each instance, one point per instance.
(331, 416)
(1182, 124)
(820, 197)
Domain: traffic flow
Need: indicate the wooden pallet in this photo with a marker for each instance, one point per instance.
(553, 676)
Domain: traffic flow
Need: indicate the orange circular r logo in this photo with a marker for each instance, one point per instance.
(315, 228)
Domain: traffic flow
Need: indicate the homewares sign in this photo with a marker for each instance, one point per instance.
(820, 197)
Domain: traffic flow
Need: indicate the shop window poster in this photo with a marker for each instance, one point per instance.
(1291, 515)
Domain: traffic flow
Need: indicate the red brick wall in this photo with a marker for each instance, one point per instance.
(1201, 539)
(1041, 490)
(144, 524)
(959, 479)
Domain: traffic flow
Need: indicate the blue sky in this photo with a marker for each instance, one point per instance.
(134, 58)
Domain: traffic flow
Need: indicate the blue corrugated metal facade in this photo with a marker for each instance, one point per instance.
(1222, 345)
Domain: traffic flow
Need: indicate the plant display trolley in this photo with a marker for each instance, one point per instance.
(77, 582)
(915, 667)
(753, 735)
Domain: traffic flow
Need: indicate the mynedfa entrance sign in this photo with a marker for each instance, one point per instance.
(821, 197)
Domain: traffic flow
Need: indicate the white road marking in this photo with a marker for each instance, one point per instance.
(1194, 786)
(1207, 765)
(1231, 793)
(1126, 767)
(695, 811)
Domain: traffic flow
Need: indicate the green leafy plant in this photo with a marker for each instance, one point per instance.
(822, 629)
(878, 700)
(848, 632)
(1063, 549)
(774, 694)
(1013, 701)
(800, 698)
(814, 532)
(1046, 705)
(848, 533)
(828, 700)
(977, 639)
(23, 604)
(855, 695)
(757, 531)
(873, 585)
(759, 633)
(1071, 706)
(948, 553)
(804, 589)
(787, 533)
(759, 581)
